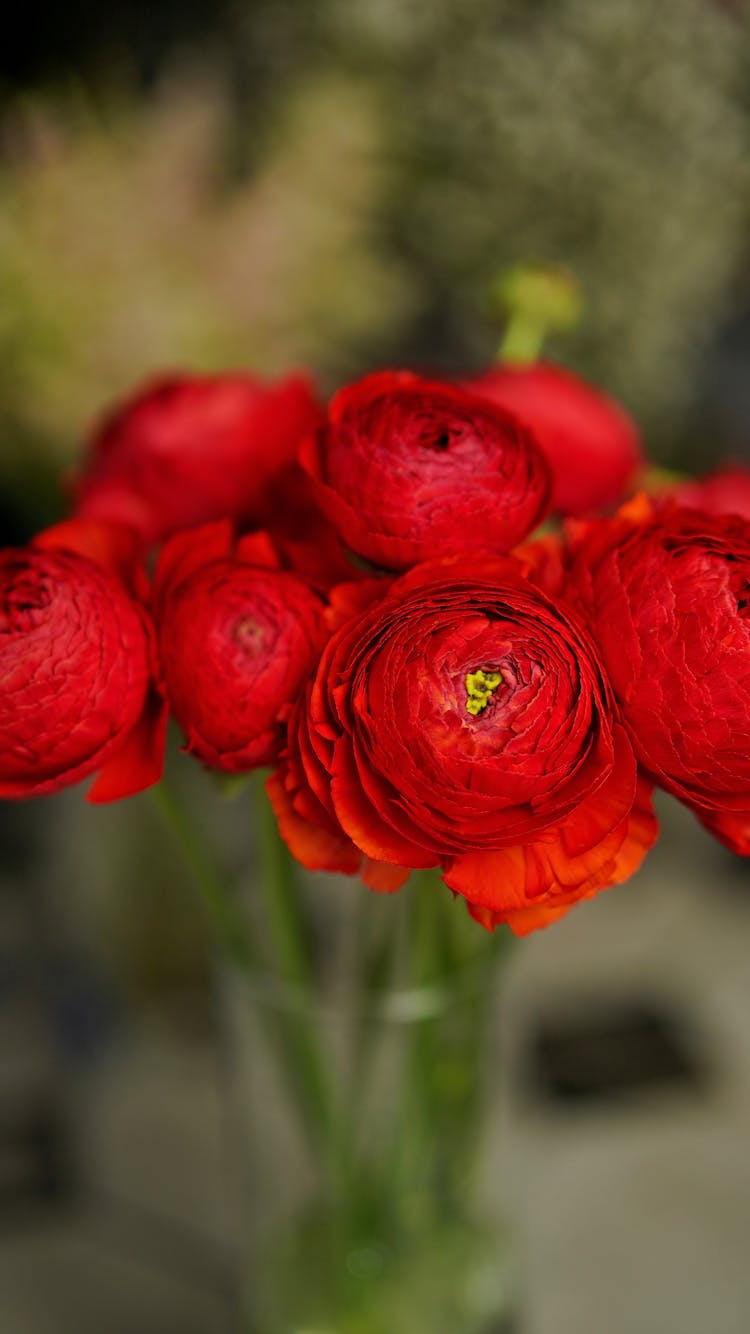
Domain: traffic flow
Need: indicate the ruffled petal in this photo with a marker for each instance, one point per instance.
(358, 817)
(189, 551)
(315, 848)
(113, 547)
(382, 877)
(535, 884)
(732, 828)
(139, 762)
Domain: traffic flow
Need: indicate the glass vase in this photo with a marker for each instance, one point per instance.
(364, 1071)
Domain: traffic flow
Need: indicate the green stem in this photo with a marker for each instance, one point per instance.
(295, 1044)
(522, 340)
(227, 922)
(406, 1178)
(465, 1132)
(434, 1151)
(536, 300)
(282, 901)
(307, 1062)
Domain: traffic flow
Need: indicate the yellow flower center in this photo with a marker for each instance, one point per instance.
(480, 686)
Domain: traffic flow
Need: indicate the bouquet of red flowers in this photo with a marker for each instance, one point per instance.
(358, 599)
(349, 597)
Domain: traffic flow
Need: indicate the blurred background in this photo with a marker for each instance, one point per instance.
(267, 183)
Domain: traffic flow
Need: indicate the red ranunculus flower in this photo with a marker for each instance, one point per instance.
(238, 637)
(590, 443)
(408, 468)
(76, 666)
(189, 448)
(464, 720)
(726, 491)
(667, 591)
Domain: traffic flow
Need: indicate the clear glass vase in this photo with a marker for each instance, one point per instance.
(363, 1052)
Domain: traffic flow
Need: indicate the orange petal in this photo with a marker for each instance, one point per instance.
(638, 509)
(534, 884)
(383, 877)
(526, 920)
(315, 848)
(491, 880)
(642, 832)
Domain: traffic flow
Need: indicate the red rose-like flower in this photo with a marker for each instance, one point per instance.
(668, 596)
(464, 720)
(726, 491)
(187, 448)
(238, 637)
(76, 660)
(590, 443)
(408, 468)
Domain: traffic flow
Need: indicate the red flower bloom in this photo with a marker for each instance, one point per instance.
(590, 443)
(463, 720)
(726, 491)
(238, 637)
(187, 449)
(667, 591)
(408, 468)
(76, 663)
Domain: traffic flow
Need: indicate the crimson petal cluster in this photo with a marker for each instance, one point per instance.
(189, 448)
(408, 468)
(463, 720)
(592, 446)
(339, 595)
(667, 593)
(238, 637)
(76, 666)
